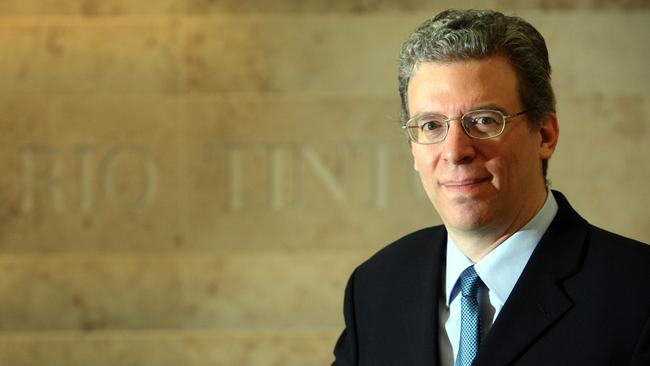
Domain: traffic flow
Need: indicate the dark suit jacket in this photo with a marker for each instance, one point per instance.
(582, 299)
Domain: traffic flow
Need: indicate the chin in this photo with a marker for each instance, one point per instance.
(467, 216)
(467, 223)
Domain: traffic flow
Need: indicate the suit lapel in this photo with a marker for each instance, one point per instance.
(428, 303)
(440, 263)
(537, 302)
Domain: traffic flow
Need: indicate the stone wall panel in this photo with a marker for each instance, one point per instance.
(86, 173)
(90, 8)
(191, 182)
(610, 138)
(292, 348)
(80, 56)
(134, 293)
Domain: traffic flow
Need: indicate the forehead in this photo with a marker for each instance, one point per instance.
(459, 86)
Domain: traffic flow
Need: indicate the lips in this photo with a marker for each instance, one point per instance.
(465, 184)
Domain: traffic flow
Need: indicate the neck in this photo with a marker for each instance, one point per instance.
(477, 243)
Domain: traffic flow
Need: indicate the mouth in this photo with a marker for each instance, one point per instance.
(464, 185)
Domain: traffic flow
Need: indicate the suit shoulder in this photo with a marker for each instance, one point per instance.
(406, 250)
(628, 254)
(619, 243)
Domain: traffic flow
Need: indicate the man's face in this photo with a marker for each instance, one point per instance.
(479, 185)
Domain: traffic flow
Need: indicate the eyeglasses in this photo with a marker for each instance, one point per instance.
(479, 124)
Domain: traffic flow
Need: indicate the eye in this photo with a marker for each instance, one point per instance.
(430, 126)
(484, 120)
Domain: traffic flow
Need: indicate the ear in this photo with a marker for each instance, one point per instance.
(550, 133)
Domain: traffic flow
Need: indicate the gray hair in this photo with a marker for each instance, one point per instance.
(455, 35)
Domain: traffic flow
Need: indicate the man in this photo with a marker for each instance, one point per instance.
(514, 276)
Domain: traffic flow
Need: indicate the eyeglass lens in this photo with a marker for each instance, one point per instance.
(479, 124)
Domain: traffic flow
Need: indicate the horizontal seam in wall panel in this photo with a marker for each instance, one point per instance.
(191, 19)
(189, 94)
(233, 18)
(167, 333)
(197, 255)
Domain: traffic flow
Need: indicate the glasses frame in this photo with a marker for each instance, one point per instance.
(446, 122)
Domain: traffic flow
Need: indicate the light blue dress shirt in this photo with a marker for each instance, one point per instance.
(499, 270)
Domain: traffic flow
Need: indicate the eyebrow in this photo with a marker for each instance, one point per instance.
(488, 106)
(491, 106)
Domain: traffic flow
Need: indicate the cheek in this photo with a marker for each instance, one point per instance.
(423, 158)
(419, 164)
(501, 164)
(512, 168)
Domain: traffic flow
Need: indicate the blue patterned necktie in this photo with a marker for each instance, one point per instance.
(470, 319)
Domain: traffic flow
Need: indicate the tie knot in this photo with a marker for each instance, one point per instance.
(469, 282)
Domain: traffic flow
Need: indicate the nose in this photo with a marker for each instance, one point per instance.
(458, 148)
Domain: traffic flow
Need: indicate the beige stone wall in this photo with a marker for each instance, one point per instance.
(190, 182)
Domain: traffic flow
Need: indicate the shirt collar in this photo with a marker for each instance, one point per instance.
(500, 269)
